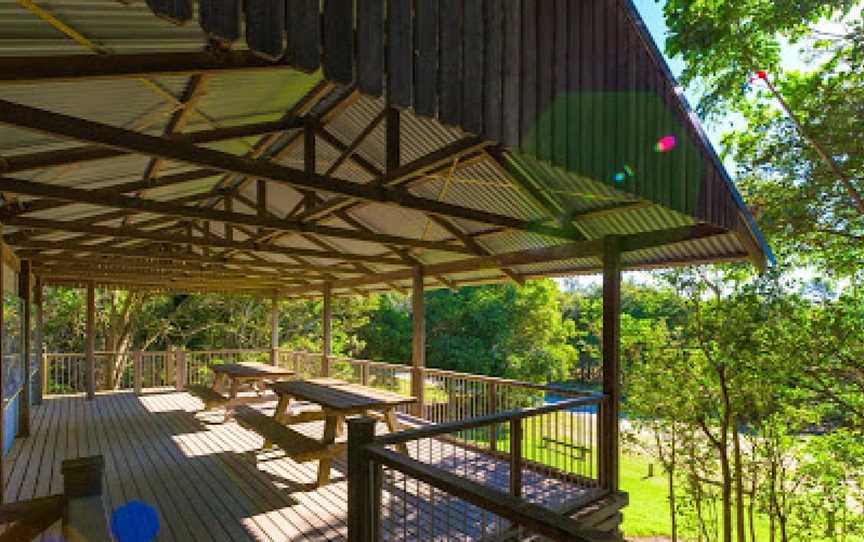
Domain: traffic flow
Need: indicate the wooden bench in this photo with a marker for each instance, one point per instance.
(210, 397)
(296, 445)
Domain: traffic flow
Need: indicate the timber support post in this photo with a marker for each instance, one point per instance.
(418, 341)
(363, 499)
(42, 375)
(609, 445)
(180, 369)
(24, 284)
(91, 340)
(516, 457)
(327, 329)
(170, 363)
(274, 332)
(492, 408)
(137, 372)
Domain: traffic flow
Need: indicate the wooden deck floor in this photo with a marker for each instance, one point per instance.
(210, 481)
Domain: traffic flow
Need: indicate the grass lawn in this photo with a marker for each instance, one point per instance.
(648, 512)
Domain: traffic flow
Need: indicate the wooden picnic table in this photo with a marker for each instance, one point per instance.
(337, 400)
(239, 374)
(245, 373)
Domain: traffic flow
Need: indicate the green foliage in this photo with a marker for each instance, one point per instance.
(498, 330)
(725, 42)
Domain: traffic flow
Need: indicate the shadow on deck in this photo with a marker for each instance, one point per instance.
(213, 482)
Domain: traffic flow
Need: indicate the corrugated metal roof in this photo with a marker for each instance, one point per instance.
(231, 99)
(116, 27)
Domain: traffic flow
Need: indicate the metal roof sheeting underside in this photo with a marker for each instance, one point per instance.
(232, 99)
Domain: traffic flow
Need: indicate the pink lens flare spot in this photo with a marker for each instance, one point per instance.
(666, 143)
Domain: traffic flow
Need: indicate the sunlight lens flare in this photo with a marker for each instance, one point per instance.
(666, 143)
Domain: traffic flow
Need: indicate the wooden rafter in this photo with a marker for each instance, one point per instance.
(195, 90)
(228, 217)
(33, 249)
(178, 239)
(31, 69)
(88, 153)
(122, 188)
(85, 130)
(402, 175)
(173, 265)
(578, 249)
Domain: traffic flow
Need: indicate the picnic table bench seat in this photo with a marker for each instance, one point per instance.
(210, 397)
(299, 447)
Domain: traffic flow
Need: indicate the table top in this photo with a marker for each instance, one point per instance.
(340, 395)
(250, 370)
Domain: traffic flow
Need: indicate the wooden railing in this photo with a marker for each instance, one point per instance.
(500, 421)
(448, 396)
(442, 491)
(66, 372)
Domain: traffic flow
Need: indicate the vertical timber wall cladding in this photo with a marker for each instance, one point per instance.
(575, 83)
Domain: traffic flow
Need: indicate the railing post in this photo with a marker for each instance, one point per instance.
(492, 407)
(516, 457)
(418, 341)
(40, 346)
(180, 370)
(169, 367)
(44, 373)
(137, 371)
(363, 495)
(91, 340)
(327, 328)
(82, 486)
(274, 332)
(364, 374)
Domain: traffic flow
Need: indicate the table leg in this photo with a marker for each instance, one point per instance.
(219, 382)
(232, 396)
(324, 464)
(279, 415)
(393, 426)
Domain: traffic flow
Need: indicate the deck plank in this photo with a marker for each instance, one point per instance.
(212, 481)
(233, 450)
(23, 450)
(172, 474)
(212, 505)
(131, 471)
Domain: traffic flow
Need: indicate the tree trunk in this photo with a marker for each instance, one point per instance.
(726, 491)
(739, 485)
(673, 452)
(672, 514)
(754, 476)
